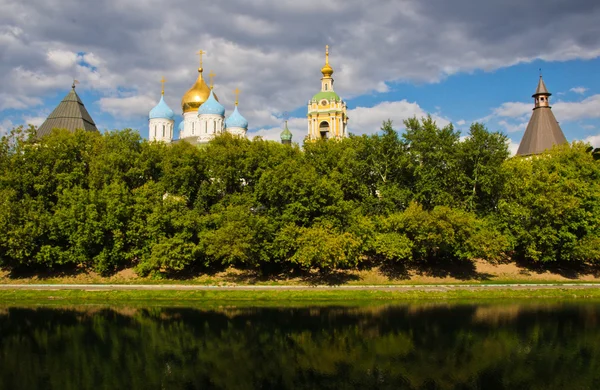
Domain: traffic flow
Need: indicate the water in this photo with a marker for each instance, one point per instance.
(435, 346)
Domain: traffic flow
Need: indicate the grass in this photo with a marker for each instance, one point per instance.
(287, 297)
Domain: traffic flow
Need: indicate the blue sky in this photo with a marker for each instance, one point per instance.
(464, 62)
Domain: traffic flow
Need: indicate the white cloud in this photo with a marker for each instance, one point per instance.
(5, 126)
(513, 110)
(588, 127)
(367, 120)
(127, 107)
(62, 59)
(461, 122)
(36, 121)
(362, 120)
(572, 111)
(512, 147)
(594, 140)
(272, 49)
(579, 90)
(8, 101)
(512, 128)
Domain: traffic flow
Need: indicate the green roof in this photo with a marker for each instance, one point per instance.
(286, 134)
(329, 95)
(70, 114)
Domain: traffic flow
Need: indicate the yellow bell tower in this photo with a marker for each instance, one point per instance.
(327, 116)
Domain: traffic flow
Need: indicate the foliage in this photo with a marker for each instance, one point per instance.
(112, 201)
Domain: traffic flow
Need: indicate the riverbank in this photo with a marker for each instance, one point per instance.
(475, 272)
(56, 294)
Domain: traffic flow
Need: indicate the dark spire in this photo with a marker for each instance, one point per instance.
(543, 130)
(541, 88)
(70, 114)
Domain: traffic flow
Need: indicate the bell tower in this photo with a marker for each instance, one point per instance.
(327, 118)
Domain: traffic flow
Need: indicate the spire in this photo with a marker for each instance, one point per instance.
(543, 130)
(541, 88)
(327, 70)
(211, 78)
(237, 95)
(162, 82)
(198, 93)
(286, 135)
(70, 114)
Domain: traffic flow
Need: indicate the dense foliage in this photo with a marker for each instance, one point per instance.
(113, 200)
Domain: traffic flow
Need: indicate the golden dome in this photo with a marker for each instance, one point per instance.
(327, 70)
(196, 95)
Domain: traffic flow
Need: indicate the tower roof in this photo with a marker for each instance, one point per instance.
(211, 106)
(70, 114)
(541, 89)
(162, 110)
(236, 120)
(543, 130)
(286, 134)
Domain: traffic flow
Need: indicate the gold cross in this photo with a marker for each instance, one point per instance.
(200, 53)
(326, 54)
(163, 81)
(237, 95)
(211, 76)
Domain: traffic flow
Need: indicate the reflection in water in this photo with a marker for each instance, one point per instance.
(393, 347)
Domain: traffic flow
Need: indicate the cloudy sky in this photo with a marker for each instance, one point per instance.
(461, 61)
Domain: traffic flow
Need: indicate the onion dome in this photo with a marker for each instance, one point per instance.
(211, 106)
(236, 120)
(286, 134)
(162, 110)
(327, 70)
(196, 95)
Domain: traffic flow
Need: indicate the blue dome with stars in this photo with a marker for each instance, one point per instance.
(236, 120)
(211, 106)
(162, 111)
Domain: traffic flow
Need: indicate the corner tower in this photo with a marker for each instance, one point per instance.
(543, 130)
(327, 116)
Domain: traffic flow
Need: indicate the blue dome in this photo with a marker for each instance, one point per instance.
(211, 106)
(162, 111)
(181, 124)
(236, 120)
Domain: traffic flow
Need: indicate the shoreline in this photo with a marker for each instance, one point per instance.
(288, 296)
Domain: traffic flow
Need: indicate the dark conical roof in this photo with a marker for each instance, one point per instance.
(541, 89)
(542, 133)
(543, 130)
(70, 114)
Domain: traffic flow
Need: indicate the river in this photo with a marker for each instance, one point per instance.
(530, 345)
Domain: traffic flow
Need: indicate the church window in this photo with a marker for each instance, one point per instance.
(205, 127)
(214, 127)
(193, 128)
(154, 131)
(163, 131)
(326, 87)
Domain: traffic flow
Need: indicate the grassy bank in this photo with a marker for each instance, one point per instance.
(286, 297)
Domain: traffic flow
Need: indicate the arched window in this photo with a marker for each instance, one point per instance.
(205, 127)
(193, 123)
(326, 87)
(154, 131)
(214, 126)
(163, 131)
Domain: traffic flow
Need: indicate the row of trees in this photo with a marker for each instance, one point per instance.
(113, 200)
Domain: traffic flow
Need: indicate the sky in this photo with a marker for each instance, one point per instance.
(461, 61)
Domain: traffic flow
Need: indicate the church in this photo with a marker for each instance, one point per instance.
(203, 115)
